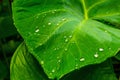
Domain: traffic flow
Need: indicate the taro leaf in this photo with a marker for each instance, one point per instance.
(103, 71)
(65, 35)
(25, 67)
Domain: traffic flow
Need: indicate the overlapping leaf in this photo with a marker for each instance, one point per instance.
(65, 35)
(25, 67)
(103, 71)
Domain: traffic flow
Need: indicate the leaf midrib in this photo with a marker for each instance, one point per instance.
(72, 39)
(85, 9)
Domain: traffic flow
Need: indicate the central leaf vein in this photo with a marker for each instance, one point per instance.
(85, 10)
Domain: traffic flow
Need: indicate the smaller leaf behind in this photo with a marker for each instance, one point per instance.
(117, 56)
(103, 71)
(25, 67)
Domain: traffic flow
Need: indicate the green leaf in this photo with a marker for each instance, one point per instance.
(25, 67)
(103, 71)
(65, 35)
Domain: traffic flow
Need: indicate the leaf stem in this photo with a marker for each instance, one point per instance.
(85, 10)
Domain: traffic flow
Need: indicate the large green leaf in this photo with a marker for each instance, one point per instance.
(25, 67)
(65, 35)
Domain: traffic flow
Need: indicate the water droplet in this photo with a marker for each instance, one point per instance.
(106, 31)
(37, 17)
(57, 24)
(14, 23)
(55, 48)
(76, 66)
(40, 44)
(58, 57)
(43, 25)
(53, 70)
(42, 62)
(73, 42)
(65, 36)
(50, 74)
(66, 49)
(53, 12)
(49, 23)
(66, 40)
(70, 36)
(101, 49)
(82, 59)
(109, 48)
(37, 30)
(59, 60)
(63, 19)
(96, 55)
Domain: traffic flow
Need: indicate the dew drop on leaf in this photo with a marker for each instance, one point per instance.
(106, 31)
(82, 59)
(76, 66)
(109, 48)
(50, 74)
(70, 36)
(53, 12)
(43, 25)
(58, 57)
(96, 55)
(57, 24)
(63, 19)
(55, 49)
(37, 30)
(14, 23)
(66, 40)
(42, 62)
(40, 44)
(66, 49)
(101, 49)
(37, 17)
(49, 23)
(73, 42)
(59, 60)
(53, 70)
(65, 36)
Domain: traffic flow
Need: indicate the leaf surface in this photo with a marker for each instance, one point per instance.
(65, 35)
